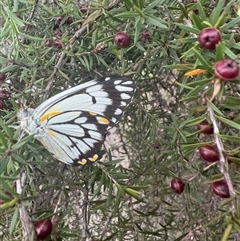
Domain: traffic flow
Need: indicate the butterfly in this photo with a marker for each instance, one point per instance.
(72, 125)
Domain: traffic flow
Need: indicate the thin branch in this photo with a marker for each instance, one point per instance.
(27, 225)
(85, 213)
(222, 160)
(106, 227)
(50, 194)
(31, 15)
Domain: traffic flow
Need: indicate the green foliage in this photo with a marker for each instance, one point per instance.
(126, 195)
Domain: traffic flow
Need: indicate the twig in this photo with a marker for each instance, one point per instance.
(50, 193)
(107, 173)
(105, 228)
(85, 213)
(220, 147)
(27, 226)
(31, 15)
(57, 196)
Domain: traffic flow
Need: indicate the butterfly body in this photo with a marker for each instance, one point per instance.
(72, 124)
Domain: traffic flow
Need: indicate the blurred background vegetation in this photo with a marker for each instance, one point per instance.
(47, 46)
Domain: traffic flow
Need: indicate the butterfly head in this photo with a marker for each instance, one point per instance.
(25, 116)
(24, 113)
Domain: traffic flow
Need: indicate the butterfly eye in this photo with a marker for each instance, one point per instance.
(24, 113)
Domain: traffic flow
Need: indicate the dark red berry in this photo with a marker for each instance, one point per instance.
(1, 105)
(226, 69)
(69, 20)
(55, 26)
(205, 127)
(58, 44)
(43, 229)
(59, 19)
(177, 185)
(2, 77)
(209, 153)
(49, 43)
(195, 10)
(30, 26)
(156, 146)
(145, 34)
(57, 33)
(8, 152)
(209, 37)
(220, 188)
(4, 94)
(83, 7)
(122, 40)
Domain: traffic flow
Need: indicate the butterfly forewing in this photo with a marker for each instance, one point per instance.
(103, 96)
(72, 125)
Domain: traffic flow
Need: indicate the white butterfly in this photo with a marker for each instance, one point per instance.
(72, 124)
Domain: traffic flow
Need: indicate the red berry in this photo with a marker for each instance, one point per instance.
(4, 94)
(55, 26)
(2, 77)
(69, 20)
(8, 152)
(122, 40)
(209, 37)
(156, 146)
(145, 34)
(59, 19)
(57, 33)
(43, 229)
(226, 69)
(195, 10)
(205, 127)
(83, 7)
(209, 153)
(30, 26)
(58, 44)
(220, 188)
(177, 185)
(1, 105)
(49, 43)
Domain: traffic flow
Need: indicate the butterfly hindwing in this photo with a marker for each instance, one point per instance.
(76, 141)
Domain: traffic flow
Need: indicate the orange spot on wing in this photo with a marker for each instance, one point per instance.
(51, 133)
(92, 113)
(82, 162)
(49, 115)
(94, 158)
(103, 120)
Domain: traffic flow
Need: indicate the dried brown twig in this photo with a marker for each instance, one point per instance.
(27, 225)
(222, 159)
